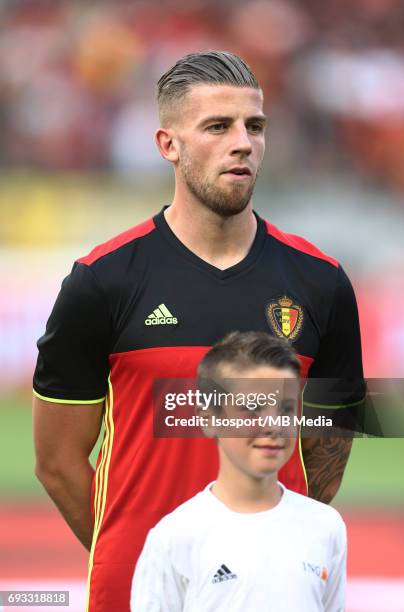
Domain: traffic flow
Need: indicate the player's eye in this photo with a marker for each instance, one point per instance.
(217, 127)
(256, 128)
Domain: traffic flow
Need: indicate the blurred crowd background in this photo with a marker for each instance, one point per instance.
(78, 77)
(78, 164)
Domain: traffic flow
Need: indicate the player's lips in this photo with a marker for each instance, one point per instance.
(238, 172)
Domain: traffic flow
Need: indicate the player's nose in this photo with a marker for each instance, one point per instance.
(242, 141)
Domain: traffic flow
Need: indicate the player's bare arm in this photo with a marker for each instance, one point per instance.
(325, 460)
(64, 435)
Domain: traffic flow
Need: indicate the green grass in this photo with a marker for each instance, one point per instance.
(17, 477)
(374, 476)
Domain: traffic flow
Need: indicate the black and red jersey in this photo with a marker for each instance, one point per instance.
(141, 307)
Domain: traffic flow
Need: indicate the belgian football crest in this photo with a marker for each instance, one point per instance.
(285, 318)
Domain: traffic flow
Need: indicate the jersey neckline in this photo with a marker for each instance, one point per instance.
(249, 260)
(270, 513)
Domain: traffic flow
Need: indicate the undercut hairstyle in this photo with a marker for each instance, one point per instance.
(245, 350)
(211, 67)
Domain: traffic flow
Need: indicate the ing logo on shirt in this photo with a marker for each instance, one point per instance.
(320, 572)
(285, 317)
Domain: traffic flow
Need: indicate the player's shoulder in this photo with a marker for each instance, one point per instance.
(315, 511)
(115, 244)
(298, 244)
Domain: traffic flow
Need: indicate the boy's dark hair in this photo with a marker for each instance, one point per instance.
(215, 67)
(246, 350)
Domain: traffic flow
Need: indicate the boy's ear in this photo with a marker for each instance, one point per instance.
(209, 430)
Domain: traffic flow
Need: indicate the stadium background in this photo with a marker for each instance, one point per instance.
(78, 164)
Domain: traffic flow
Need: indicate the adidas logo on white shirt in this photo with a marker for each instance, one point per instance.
(223, 574)
(161, 316)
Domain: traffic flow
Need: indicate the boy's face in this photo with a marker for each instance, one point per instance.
(267, 448)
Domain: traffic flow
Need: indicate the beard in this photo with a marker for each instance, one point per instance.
(225, 202)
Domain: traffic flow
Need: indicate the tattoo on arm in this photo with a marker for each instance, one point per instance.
(325, 460)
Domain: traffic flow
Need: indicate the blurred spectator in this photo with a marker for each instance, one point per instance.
(132, 139)
(77, 79)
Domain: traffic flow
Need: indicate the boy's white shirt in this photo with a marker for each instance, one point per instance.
(274, 560)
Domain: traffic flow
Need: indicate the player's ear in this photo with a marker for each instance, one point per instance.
(167, 144)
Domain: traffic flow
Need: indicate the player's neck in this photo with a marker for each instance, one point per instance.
(221, 242)
(242, 493)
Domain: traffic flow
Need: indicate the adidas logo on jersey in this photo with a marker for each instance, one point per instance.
(161, 316)
(223, 574)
